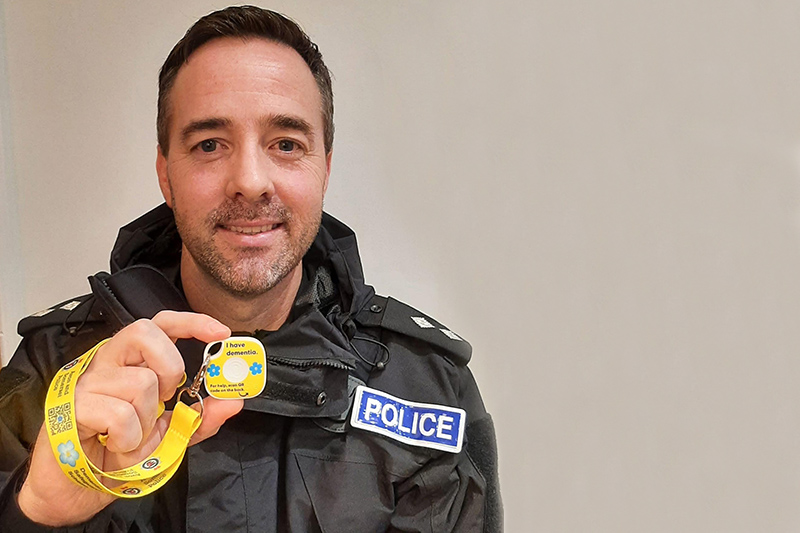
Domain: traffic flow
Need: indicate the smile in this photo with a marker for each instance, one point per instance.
(251, 230)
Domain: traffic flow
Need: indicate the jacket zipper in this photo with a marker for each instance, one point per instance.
(305, 363)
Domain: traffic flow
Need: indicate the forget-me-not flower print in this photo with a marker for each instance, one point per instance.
(213, 371)
(256, 368)
(68, 455)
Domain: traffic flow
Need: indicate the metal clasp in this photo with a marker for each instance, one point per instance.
(193, 390)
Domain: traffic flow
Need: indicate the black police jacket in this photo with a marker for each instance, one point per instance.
(291, 460)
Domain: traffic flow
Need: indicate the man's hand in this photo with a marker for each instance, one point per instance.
(118, 395)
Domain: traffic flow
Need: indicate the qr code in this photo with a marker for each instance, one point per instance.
(59, 418)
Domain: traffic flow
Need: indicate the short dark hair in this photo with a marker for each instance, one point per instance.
(244, 22)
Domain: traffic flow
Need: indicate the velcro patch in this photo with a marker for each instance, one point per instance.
(418, 424)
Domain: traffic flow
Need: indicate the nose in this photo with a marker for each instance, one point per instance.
(251, 175)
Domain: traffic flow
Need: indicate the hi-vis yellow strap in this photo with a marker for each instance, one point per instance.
(139, 479)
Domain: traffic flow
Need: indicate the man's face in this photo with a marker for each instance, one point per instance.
(246, 170)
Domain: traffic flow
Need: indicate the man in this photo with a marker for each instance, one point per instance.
(245, 134)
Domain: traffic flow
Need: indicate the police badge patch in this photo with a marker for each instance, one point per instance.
(418, 424)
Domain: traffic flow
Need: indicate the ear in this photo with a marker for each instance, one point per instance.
(327, 171)
(163, 179)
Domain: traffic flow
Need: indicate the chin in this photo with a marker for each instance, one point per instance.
(254, 278)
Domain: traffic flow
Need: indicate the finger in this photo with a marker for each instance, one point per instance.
(151, 342)
(98, 413)
(215, 413)
(116, 461)
(144, 343)
(182, 325)
(138, 386)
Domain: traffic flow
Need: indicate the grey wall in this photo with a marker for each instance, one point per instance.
(602, 196)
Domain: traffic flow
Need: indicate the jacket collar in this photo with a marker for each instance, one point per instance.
(153, 240)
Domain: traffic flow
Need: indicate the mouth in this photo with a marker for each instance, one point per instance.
(250, 229)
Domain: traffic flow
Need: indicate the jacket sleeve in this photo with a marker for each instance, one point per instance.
(456, 492)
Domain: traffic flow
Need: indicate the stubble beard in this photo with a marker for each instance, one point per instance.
(254, 271)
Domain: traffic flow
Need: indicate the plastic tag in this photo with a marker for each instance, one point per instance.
(237, 368)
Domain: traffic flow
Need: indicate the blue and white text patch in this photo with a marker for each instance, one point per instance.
(418, 424)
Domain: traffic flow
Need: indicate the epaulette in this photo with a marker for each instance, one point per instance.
(394, 315)
(68, 313)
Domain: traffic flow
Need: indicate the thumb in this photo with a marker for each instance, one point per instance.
(215, 413)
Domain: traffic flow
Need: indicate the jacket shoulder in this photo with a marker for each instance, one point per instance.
(68, 313)
(390, 314)
(50, 338)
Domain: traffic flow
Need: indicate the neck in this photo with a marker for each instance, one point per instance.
(266, 311)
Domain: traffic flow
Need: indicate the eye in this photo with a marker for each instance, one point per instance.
(287, 145)
(208, 146)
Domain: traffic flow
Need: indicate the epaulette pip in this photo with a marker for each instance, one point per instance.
(394, 315)
(68, 313)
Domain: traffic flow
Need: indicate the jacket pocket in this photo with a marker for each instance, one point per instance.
(260, 500)
(346, 496)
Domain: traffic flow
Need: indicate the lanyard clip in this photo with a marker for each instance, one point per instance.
(193, 390)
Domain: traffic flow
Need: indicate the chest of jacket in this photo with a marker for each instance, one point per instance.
(262, 470)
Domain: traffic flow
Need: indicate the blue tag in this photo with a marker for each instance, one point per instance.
(418, 424)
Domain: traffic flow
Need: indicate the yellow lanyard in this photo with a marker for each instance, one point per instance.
(234, 368)
(141, 478)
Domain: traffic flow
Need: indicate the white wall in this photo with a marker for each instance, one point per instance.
(11, 263)
(602, 196)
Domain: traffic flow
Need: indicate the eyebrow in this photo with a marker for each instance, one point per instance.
(206, 124)
(288, 122)
(279, 121)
